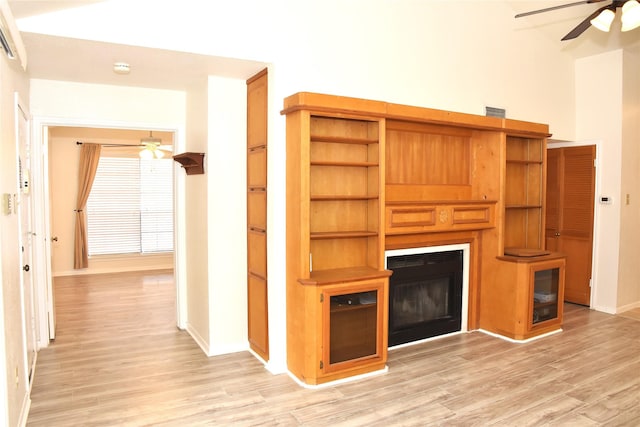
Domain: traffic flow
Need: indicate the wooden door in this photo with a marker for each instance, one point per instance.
(257, 290)
(569, 215)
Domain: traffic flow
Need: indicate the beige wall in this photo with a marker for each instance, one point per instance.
(628, 283)
(14, 398)
(609, 112)
(196, 234)
(64, 155)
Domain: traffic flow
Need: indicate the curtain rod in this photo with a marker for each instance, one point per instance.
(112, 145)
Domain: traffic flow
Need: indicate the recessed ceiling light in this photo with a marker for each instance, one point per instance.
(121, 68)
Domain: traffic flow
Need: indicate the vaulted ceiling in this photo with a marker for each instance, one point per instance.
(53, 57)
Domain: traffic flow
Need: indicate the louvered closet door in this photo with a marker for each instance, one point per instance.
(569, 218)
(258, 317)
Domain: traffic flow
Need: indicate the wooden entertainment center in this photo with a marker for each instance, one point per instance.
(368, 176)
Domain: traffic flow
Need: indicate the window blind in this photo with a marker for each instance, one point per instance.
(130, 208)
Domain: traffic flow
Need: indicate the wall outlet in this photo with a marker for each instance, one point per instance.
(628, 199)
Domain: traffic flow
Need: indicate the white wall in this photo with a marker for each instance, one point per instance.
(450, 55)
(599, 84)
(457, 56)
(227, 214)
(14, 398)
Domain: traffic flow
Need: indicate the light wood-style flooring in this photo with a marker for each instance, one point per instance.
(118, 360)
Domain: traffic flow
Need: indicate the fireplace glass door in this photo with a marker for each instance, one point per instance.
(425, 295)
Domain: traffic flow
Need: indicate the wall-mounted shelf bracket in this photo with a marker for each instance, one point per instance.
(193, 163)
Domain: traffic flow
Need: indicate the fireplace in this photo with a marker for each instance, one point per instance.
(427, 292)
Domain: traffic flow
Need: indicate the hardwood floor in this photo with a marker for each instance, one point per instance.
(118, 360)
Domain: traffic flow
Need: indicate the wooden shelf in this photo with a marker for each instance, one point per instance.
(193, 163)
(342, 234)
(342, 198)
(343, 140)
(525, 162)
(343, 275)
(344, 164)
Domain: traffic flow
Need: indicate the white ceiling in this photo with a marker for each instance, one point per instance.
(59, 58)
(86, 61)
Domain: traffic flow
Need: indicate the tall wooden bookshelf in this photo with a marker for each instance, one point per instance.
(336, 282)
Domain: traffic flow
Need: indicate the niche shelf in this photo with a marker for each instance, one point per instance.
(193, 163)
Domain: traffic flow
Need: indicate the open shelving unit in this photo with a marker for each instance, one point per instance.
(524, 190)
(335, 204)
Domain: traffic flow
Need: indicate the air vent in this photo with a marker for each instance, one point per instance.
(10, 41)
(495, 112)
(6, 45)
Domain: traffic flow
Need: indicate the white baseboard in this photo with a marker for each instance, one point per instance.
(537, 337)
(340, 381)
(202, 343)
(627, 307)
(217, 350)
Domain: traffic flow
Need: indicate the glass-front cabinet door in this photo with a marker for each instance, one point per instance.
(545, 295)
(353, 332)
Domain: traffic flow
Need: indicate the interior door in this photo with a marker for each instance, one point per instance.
(257, 289)
(26, 238)
(569, 215)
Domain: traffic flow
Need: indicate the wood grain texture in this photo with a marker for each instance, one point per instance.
(120, 361)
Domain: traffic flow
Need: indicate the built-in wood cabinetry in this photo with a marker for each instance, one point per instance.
(528, 296)
(364, 176)
(257, 291)
(524, 192)
(337, 285)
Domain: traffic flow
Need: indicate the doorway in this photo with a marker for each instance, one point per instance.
(42, 192)
(571, 178)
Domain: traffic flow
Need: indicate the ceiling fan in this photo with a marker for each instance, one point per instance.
(601, 18)
(152, 147)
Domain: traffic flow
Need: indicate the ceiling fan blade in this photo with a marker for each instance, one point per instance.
(562, 6)
(582, 27)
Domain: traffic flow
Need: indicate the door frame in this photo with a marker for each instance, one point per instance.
(29, 324)
(594, 250)
(45, 312)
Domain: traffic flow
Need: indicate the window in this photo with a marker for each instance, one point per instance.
(130, 208)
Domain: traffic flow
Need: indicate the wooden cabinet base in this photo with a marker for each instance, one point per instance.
(337, 330)
(525, 297)
(351, 375)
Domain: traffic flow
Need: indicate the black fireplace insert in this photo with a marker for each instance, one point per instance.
(425, 295)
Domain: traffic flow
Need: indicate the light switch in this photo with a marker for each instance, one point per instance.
(606, 200)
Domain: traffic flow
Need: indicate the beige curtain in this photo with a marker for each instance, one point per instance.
(89, 158)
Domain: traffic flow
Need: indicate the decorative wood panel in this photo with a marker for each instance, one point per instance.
(425, 217)
(427, 155)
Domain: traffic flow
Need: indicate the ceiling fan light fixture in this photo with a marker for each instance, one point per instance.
(630, 15)
(603, 20)
(146, 154)
(151, 151)
(151, 147)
